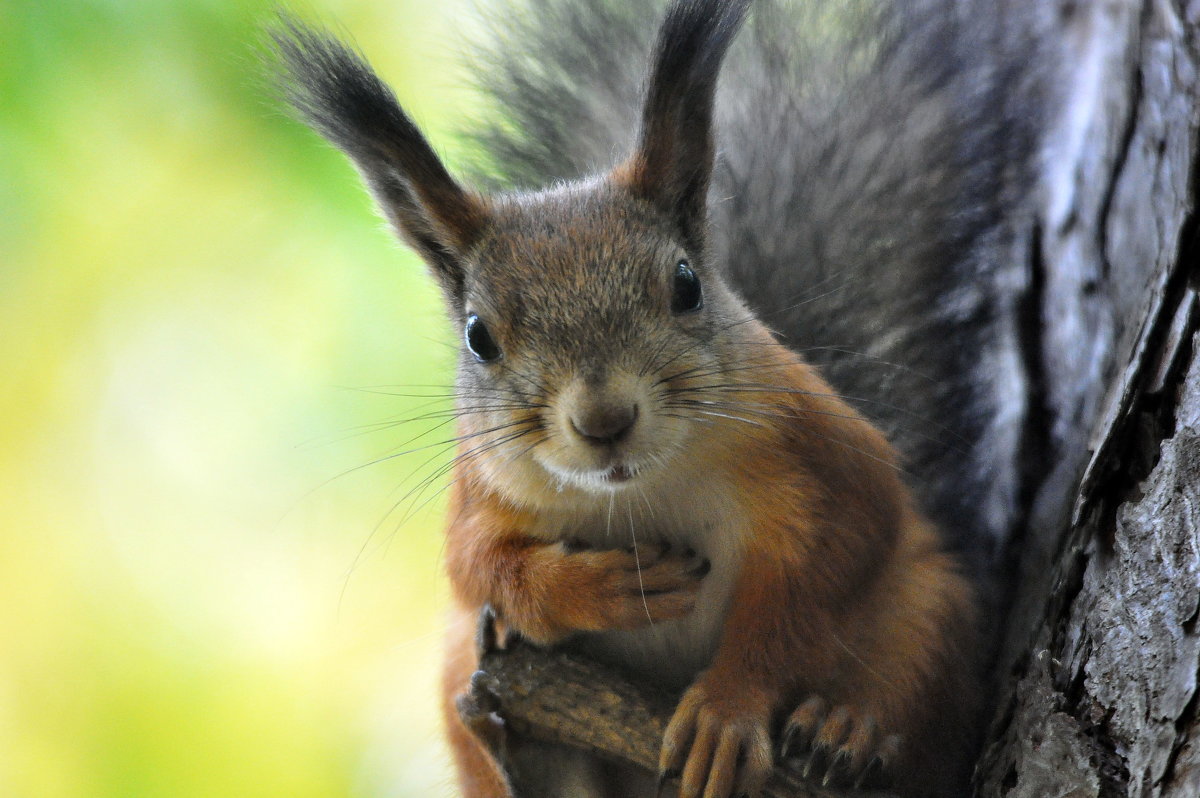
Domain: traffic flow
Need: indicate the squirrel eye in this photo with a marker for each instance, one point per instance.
(480, 341)
(686, 295)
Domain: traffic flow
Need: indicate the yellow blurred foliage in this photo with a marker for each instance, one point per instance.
(195, 600)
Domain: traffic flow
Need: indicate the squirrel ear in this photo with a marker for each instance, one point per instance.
(338, 94)
(673, 161)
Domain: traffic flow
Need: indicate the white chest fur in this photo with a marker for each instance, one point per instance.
(709, 521)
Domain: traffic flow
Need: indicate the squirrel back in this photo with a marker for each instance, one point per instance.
(871, 160)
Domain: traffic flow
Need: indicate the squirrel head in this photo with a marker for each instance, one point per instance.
(589, 313)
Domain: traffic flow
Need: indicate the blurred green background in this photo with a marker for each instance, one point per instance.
(192, 290)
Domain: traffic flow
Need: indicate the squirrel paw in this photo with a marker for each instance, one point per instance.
(491, 633)
(717, 742)
(838, 748)
(658, 582)
(479, 707)
(629, 588)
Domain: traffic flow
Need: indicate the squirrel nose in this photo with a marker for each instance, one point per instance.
(603, 424)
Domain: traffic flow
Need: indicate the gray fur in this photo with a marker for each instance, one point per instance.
(872, 157)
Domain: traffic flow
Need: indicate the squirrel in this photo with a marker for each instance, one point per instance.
(649, 473)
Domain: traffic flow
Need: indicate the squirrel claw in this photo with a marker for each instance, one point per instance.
(479, 707)
(509, 637)
(789, 739)
(816, 762)
(839, 766)
(870, 774)
(661, 783)
(483, 700)
(491, 633)
(802, 727)
(485, 631)
(842, 745)
(875, 774)
(718, 741)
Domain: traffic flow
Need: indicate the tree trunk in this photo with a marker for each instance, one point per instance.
(1098, 669)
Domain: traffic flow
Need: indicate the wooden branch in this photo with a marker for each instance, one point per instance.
(553, 696)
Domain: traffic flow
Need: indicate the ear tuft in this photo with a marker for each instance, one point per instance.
(673, 161)
(336, 92)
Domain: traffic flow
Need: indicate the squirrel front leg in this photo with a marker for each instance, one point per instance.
(898, 706)
(719, 737)
(547, 590)
(876, 672)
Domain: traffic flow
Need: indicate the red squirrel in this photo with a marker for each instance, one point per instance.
(646, 474)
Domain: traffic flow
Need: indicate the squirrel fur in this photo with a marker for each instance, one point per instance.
(652, 470)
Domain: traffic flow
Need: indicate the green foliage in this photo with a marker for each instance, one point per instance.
(188, 282)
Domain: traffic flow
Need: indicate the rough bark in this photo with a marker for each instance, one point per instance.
(1098, 669)
(1100, 662)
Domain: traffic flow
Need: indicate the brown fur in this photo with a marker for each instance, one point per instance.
(827, 611)
(843, 592)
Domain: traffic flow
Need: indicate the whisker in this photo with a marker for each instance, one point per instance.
(750, 387)
(453, 464)
(731, 417)
(695, 372)
(451, 392)
(420, 487)
(763, 410)
(695, 344)
(637, 559)
(866, 454)
(423, 447)
(449, 414)
(700, 372)
(738, 322)
(537, 387)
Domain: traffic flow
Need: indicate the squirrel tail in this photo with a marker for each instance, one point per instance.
(872, 162)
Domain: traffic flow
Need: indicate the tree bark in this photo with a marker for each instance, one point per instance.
(1098, 667)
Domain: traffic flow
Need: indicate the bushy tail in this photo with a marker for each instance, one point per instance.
(872, 158)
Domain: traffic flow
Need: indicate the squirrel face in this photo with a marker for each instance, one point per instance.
(591, 321)
(585, 326)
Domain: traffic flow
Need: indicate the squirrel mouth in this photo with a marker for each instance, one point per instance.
(617, 474)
